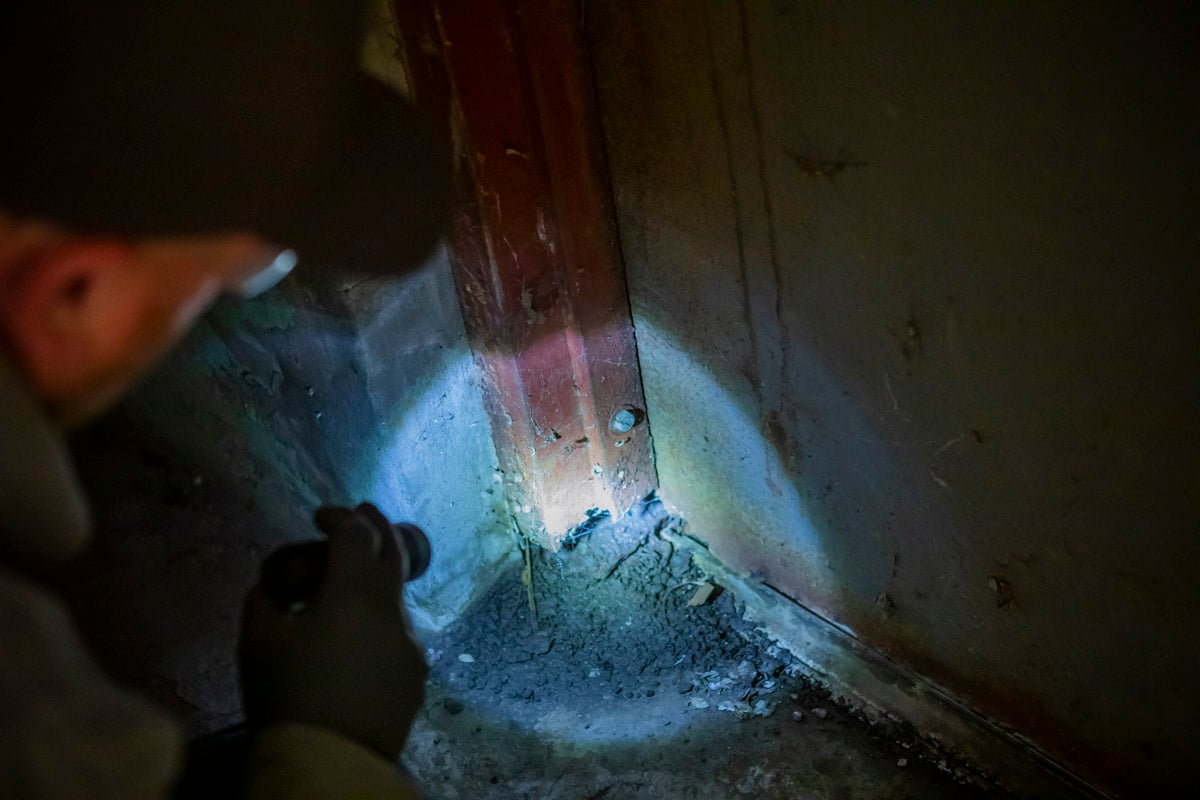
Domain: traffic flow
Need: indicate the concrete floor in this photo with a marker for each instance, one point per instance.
(617, 687)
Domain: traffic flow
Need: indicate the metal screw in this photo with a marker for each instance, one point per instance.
(623, 421)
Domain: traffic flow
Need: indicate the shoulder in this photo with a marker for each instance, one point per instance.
(69, 730)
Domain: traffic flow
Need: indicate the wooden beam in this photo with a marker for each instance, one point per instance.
(535, 253)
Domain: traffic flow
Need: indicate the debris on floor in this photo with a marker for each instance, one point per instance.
(638, 677)
(704, 594)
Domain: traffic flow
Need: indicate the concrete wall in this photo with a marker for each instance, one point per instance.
(317, 392)
(350, 392)
(917, 303)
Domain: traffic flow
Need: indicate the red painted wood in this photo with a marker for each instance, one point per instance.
(535, 252)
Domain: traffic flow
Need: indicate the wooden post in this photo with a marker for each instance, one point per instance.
(535, 253)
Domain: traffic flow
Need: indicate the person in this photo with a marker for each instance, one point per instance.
(155, 156)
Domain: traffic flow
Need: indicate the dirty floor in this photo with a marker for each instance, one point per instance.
(627, 682)
(623, 683)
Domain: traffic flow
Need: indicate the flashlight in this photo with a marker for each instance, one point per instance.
(292, 574)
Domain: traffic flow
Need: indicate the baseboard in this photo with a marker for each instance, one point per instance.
(880, 687)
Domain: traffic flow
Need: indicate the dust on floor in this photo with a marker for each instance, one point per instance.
(623, 683)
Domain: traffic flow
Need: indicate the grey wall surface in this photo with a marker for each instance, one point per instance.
(317, 392)
(352, 392)
(917, 304)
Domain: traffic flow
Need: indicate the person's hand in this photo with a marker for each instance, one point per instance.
(346, 662)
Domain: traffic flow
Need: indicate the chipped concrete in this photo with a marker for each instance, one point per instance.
(620, 687)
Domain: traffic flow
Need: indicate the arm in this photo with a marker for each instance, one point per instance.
(299, 762)
(331, 690)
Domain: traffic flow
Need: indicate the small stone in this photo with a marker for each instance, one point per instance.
(798, 716)
(703, 593)
(820, 713)
(466, 658)
(452, 706)
(697, 702)
(740, 708)
(593, 673)
(901, 762)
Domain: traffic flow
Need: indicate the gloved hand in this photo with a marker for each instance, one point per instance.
(347, 662)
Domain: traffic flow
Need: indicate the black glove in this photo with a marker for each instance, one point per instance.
(347, 661)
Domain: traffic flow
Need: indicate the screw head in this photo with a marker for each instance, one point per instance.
(623, 420)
